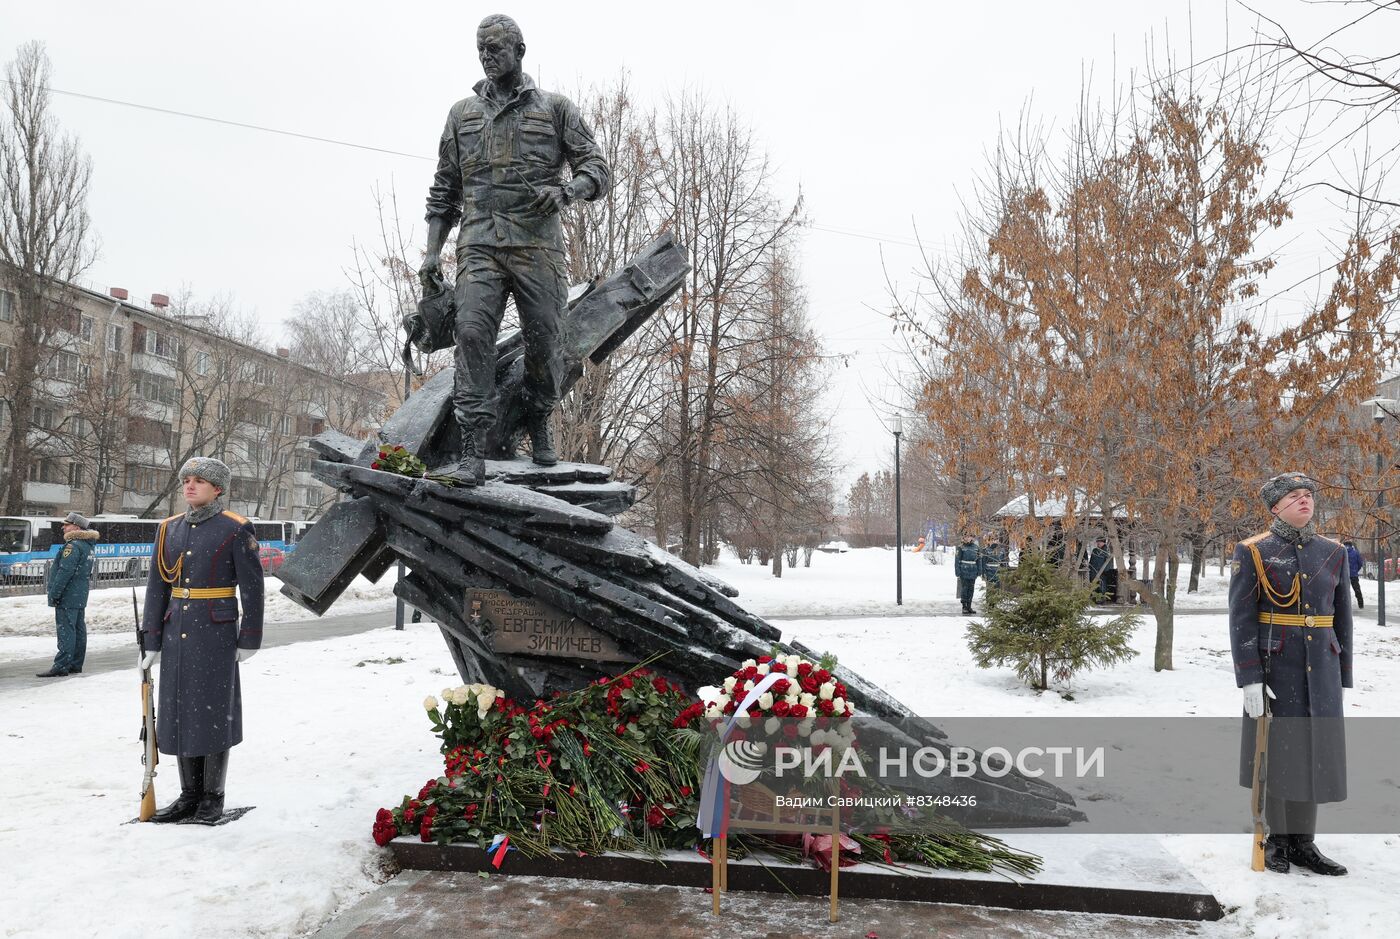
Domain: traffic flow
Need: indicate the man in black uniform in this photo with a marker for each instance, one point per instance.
(203, 559)
(1291, 638)
(500, 160)
(967, 564)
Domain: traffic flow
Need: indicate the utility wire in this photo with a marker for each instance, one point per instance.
(220, 120)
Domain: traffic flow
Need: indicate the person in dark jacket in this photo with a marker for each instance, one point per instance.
(1100, 563)
(1291, 639)
(201, 560)
(967, 564)
(68, 595)
(1354, 563)
(993, 559)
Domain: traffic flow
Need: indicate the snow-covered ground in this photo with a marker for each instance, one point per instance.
(335, 729)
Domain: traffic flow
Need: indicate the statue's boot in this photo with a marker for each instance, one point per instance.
(211, 800)
(191, 783)
(471, 468)
(1305, 854)
(542, 441)
(1276, 851)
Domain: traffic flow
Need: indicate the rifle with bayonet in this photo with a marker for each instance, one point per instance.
(149, 755)
(1259, 791)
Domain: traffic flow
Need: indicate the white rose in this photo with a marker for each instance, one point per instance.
(805, 727)
(850, 708)
(763, 669)
(770, 726)
(765, 701)
(807, 700)
(827, 690)
(745, 722)
(729, 684)
(791, 700)
(749, 663)
(430, 703)
(748, 686)
(485, 701)
(722, 702)
(838, 706)
(707, 693)
(712, 713)
(819, 737)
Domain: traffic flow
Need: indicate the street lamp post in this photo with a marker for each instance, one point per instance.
(1385, 407)
(898, 522)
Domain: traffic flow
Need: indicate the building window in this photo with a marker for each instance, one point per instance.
(146, 432)
(84, 374)
(222, 409)
(156, 388)
(7, 306)
(285, 425)
(63, 366)
(201, 363)
(114, 337)
(75, 475)
(45, 418)
(4, 358)
(45, 471)
(262, 375)
(86, 325)
(152, 342)
(282, 498)
(144, 479)
(304, 459)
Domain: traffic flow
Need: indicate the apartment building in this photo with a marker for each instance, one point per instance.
(126, 391)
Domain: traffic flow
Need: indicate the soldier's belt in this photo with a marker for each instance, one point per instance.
(1293, 619)
(202, 593)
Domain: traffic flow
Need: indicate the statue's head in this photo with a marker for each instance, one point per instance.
(499, 45)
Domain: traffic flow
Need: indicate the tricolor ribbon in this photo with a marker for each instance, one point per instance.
(499, 846)
(713, 816)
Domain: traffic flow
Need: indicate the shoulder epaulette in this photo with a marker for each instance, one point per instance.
(1255, 539)
(171, 518)
(236, 517)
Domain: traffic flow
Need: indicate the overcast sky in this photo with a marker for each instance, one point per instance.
(881, 112)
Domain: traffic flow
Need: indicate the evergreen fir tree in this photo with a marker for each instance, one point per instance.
(1038, 623)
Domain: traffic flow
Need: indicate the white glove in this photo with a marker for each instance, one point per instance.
(1254, 698)
(149, 660)
(246, 654)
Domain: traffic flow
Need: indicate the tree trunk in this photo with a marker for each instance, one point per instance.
(1198, 562)
(1044, 673)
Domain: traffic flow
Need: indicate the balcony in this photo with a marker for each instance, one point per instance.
(145, 362)
(47, 493)
(136, 501)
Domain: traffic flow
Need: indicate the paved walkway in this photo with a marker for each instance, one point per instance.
(433, 905)
(20, 672)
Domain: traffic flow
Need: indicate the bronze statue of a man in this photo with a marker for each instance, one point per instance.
(499, 174)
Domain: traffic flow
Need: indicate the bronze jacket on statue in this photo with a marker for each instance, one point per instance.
(192, 619)
(496, 152)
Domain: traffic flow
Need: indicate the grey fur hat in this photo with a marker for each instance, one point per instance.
(209, 469)
(1284, 483)
(73, 518)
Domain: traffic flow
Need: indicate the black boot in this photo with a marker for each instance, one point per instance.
(211, 801)
(1305, 854)
(191, 782)
(471, 468)
(1276, 851)
(542, 441)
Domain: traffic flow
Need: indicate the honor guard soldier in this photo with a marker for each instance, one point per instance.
(205, 560)
(1291, 637)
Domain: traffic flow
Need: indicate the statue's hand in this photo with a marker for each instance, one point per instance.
(551, 199)
(430, 274)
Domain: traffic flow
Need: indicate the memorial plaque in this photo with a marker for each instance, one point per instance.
(525, 626)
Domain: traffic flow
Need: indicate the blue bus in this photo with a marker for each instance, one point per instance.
(28, 544)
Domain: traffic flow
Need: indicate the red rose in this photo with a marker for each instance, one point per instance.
(660, 685)
(826, 707)
(641, 766)
(841, 690)
(621, 729)
(810, 684)
(764, 659)
(383, 834)
(782, 708)
(797, 711)
(655, 817)
(804, 669)
(780, 687)
(790, 731)
(822, 676)
(685, 792)
(384, 816)
(778, 667)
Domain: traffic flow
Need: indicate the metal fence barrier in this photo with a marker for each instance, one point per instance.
(32, 578)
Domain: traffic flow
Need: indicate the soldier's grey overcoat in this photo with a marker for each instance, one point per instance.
(1306, 666)
(200, 708)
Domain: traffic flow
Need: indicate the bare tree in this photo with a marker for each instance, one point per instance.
(44, 246)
